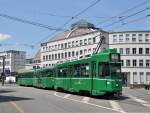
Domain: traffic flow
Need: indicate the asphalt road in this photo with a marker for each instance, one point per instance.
(16, 99)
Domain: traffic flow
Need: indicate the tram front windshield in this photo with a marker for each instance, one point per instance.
(109, 70)
(115, 70)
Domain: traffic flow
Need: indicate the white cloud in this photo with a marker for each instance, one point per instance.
(4, 37)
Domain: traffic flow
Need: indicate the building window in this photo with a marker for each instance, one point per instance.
(122, 63)
(127, 62)
(52, 57)
(81, 52)
(134, 63)
(89, 50)
(43, 48)
(120, 38)
(77, 53)
(140, 37)
(43, 58)
(89, 41)
(72, 43)
(49, 57)
(146, 37)
(69, 44)
(94, 40)
(141, 77)
(65, 54)
(62, 46)
(81, 43)
(49, 48)
(127, 51)
(133, 50)
(72, 53)
(55, 56)
(65, 45)
(69, 54)
(121, 50)
(56, 47)
(85, 41)
(77, 43)
(147, 51)
(133, 37)
(58, 55)
(127, 37)
(59, 46)
(140, 50)
(85, 51)
(135, 78)
(147, 77)
(141, 63)
(147, 63)
(62, 55)
(114, 38)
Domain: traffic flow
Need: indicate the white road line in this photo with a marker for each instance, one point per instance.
(85, 99)
(115, 105)
(144, 103)
(66, 96)
(89, 103)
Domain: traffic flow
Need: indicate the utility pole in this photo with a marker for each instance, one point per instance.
(3, 73)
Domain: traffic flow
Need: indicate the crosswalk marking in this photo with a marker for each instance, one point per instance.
(85, 99)
(67, 95)
(144, 103)
(115, 105)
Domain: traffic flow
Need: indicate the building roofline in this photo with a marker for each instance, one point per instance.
(11, 51)
(129, 31)
(97, 30)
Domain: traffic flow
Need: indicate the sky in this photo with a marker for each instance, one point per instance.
(21, 36)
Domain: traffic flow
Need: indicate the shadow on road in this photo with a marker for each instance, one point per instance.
(6, 91)
(12, 98)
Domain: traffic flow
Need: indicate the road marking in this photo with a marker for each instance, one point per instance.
(19, 109)
(85, 99)
(144, 103)
(115, 105)
(66, 96)
(89, 103)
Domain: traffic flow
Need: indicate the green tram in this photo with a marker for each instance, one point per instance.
(98, 74)
(44, 78)
(25, 78)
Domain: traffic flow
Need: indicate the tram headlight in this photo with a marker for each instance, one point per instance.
(108, 82)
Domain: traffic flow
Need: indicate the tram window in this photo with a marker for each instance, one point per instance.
(85, 70)
(62, 72)
(77, 71)
(104, 70)
(50, 73)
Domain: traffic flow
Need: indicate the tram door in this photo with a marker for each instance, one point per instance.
(93, 74)
(70, 76)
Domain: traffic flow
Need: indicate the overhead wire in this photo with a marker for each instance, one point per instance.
(124, 12)
(126, 17)
(133, 21)
(30, 22)
(73, 17)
